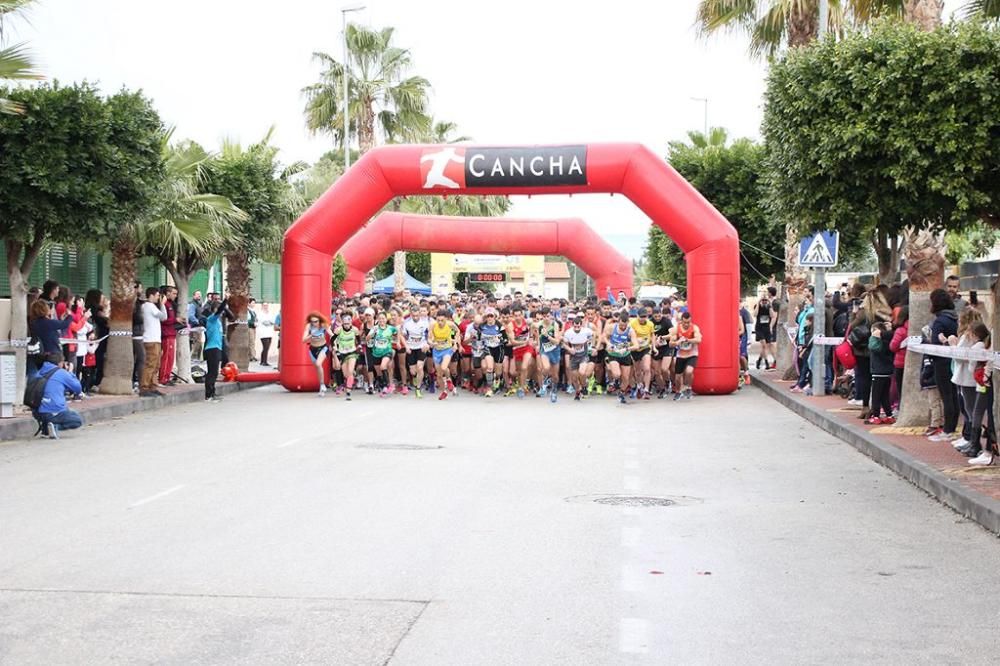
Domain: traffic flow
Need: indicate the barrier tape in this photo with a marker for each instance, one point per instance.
(825, 341)
(957, 353)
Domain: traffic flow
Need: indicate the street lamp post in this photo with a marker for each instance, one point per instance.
(344, 11)
(824, 17)
(703, 100)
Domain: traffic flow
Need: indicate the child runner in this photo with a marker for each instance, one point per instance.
(345, 344)
(380, 340)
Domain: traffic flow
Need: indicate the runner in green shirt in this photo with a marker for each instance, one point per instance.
(345, 347)
(381, 339)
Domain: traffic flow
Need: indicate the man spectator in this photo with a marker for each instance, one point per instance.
(138, 351)
(252, 328)
(153, 313)
(52, 413)
(193, 319)
(951, 285)
(168, 335)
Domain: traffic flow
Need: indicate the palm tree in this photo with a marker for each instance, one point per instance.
(183, 219)
(379, 92)
(717, 137)
(985, 9)
(190, 229)
(15, 61)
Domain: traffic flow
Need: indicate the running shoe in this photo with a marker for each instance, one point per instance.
(553, 396)
(322, 391)
(348, 396)
(600, 390)
(542, 392)
(576, 397)
(443, 396)
(511, 391)
(960, 443)
(661, 395)
(489, 393)
(687, 394)
(520, 394)
(570, 390)
(418, 393)
(645, 395)
(621, 399)
(677, 396)
(405, 390)
(590, 384)
(889, 420)
(369, 390)
(874, 420)
(339, 391)
(632, 394)
(933, 432)
(985, 458)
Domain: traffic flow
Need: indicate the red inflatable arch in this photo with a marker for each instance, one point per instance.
(567, 237)
(710, 243)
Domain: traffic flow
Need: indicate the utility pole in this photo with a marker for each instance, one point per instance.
(819, 285)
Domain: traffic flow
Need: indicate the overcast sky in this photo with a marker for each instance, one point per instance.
(509, 72)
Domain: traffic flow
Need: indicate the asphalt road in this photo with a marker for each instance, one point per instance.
(282, 529)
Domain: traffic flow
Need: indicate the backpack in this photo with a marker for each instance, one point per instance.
(34, 391)
(859, 335)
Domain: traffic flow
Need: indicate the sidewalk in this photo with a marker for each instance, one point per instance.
(105, 407)
(934, 467)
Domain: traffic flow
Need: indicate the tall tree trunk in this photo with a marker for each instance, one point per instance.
(238, 282)
(120, 359)
(18, 321)
(18, 270)
(887, 250)
(795, 284)
(925, 14)
(803, 24)
(994, 330)
(182, 363)
(924, 250)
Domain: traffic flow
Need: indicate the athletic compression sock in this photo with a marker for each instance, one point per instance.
(350, 382)
(385, 378)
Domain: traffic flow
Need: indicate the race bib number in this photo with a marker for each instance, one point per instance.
(382, 343)
(643, 342)
(686, 345)
(619, 349)
(578, 349)
(491, 340)
(548, 346)
(346, 348)
(415, 340)
(662, 341)
(765, 319)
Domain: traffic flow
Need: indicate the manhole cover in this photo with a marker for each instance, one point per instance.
(399, 447)
(633, 500)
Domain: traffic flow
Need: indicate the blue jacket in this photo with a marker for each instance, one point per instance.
(806, 311)
(213, 331)
(194, 309)
(48, 331)
(54, 400)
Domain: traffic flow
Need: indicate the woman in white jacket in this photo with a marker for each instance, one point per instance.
(963, 372)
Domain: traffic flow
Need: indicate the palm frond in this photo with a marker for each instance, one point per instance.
(983, 9)
(15, 63)
(729, 15)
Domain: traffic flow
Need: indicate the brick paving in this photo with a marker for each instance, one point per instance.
(941, 456)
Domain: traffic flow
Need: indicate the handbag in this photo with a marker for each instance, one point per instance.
(858, 336)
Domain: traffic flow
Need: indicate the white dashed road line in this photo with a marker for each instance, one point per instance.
(153, 498)
(290, 442)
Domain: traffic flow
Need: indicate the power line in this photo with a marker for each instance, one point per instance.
(781, 259)
(753, 267)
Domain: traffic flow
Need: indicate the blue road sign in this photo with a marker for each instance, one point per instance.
(820, 250)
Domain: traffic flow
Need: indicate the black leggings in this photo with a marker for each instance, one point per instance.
(265, 346)
(863, 380)
(213, 357)
(881, 400)
(949, 398)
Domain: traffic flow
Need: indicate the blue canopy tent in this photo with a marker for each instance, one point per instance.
(388, 285)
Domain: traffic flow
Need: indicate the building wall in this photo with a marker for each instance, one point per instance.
(556, 289)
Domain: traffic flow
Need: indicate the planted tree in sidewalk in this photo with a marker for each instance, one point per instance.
(892, 130)
(74, 167)
(189, 228)
(255, 182)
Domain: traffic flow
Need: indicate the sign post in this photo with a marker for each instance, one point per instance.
(819, 251)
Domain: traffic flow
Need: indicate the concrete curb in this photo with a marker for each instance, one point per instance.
(25, 427)
(969, 503)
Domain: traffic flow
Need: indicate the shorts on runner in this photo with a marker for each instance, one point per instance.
(415, 356)
(316, 351)
(440, 355)
(554, 356)
(576, 360)
(685, 363)
(620, 360)
(637, 355)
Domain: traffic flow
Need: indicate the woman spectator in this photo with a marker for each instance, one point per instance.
(963, 372)
(96, 304)
(944, 326)
(47, 331)
(265, 331)
(74, 353)
(981, 455)
(874, 309)
(50, 291)
(898, 347)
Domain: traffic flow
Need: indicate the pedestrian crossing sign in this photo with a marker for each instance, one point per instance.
(820, 250)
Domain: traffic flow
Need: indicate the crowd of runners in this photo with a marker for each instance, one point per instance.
(511, 346)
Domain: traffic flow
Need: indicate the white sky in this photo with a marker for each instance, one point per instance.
(511, 72)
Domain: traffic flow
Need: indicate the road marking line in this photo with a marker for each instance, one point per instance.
(631, 464)
(630, 537)
(631, 483)
(631, 450)
(289, 443)
(633, 635)
(155, 497)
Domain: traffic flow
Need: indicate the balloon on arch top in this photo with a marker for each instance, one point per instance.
(568, 237)
(709, 242)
